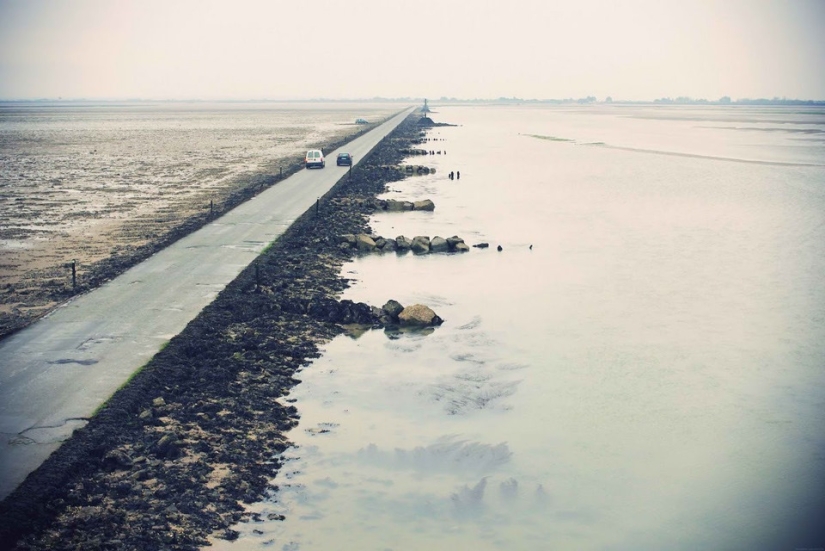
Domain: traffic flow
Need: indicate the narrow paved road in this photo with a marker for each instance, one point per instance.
(55, 373)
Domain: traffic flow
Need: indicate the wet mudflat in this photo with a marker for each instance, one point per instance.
(107, 185)
(171, 457)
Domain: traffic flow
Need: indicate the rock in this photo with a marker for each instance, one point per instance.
(391, 245)
(402, 243)
(499, 248)
(392, 308)
(426, 204)
(380, 242)
(419, 315)
(349, 239)
(167, 446)
(481, 245)
(439, 245)
(397, 206)
(364, 242)
(158, 402)
(461, 247)
(145, 415)
(420, 244)
(453, 241)
(117, 459)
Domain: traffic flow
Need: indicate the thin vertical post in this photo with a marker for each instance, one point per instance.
(74, 275)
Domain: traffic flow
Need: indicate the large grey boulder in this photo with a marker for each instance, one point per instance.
(392, 308)
(402, 243)
(439, 245)
(461, 247)
(420, 244)
(419, 315)
(426, 204)
(453, 241)
(364, 242)
(349, 239)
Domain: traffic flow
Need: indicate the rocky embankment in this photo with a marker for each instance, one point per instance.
(196, 433)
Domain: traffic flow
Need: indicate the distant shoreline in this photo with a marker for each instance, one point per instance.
(590, 100)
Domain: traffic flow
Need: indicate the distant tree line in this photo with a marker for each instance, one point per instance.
(725, 100)
(681, 100)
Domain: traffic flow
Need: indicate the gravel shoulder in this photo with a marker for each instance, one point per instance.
(173, 455)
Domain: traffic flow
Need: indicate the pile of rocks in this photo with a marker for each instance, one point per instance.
(393, 205)
(419, 244)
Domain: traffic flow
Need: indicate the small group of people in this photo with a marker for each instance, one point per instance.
(455, 175)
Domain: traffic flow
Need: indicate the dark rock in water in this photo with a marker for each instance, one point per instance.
(402, 243)
(453, 241)
(481, 245)
(439, 245)
(365, 243)
(392, 308)
(397, 206)
(419, 315)
(499, 248)
(457, 244)
(420, 244)
(426, 204)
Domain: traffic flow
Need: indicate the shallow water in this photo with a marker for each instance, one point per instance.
(649, 375)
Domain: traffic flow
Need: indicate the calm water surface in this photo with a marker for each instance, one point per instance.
(650, 375)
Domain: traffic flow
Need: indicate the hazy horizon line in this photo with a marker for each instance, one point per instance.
(680, 100)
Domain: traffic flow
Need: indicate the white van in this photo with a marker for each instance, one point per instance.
(315, 157)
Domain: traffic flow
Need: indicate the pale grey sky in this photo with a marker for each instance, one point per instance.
(285, 49)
